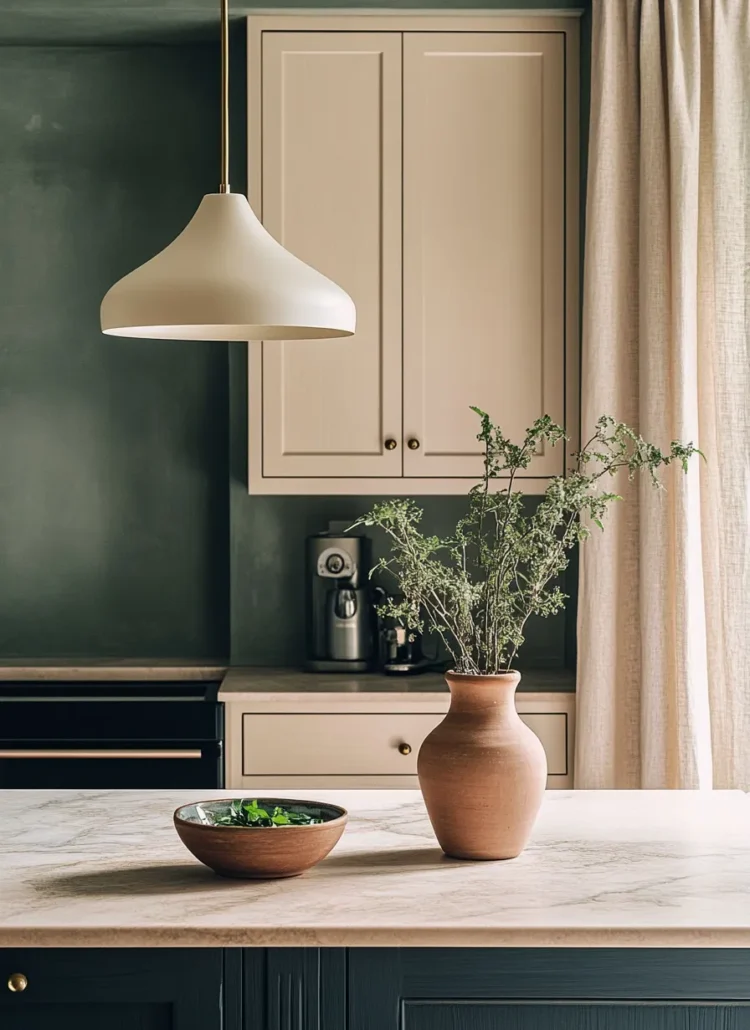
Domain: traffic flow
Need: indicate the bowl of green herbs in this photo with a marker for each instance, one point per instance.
(259, 838)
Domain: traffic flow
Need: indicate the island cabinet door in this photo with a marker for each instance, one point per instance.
(560, 989)
(112, 989)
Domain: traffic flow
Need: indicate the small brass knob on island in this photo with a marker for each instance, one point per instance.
(17, 982)
(413, 444)
(404, 749)
(390, 444)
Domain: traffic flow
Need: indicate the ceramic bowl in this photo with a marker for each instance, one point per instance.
(259, 853)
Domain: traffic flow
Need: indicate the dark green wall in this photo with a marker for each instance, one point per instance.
(114, 523)
(118, 534)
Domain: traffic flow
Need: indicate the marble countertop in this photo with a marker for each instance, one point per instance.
(620, 869)
(259, 684)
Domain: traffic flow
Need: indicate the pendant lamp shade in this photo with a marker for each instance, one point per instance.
(226, 278)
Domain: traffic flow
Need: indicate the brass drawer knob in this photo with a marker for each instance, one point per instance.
(404, 749)
(413, 444)
(17, 982)
(390, 444)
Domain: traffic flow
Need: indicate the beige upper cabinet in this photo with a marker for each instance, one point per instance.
(429, 165)
(484, 243)
(331, 193)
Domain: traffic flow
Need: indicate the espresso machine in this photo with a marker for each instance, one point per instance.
(340, 614)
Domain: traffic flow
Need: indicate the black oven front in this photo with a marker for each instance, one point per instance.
(111, 735)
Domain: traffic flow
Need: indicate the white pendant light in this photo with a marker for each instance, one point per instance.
(225, 277)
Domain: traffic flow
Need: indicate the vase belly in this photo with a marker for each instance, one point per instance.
(482, 771)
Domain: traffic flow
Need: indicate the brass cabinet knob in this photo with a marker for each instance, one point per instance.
(413, 444)
(17, 982)
(404, 749)
(390, 444)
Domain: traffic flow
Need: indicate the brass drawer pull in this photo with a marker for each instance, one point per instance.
(413, 444)
(390, 444)
(404, 749)
(17, 982)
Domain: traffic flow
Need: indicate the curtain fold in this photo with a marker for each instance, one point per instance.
(664, 599)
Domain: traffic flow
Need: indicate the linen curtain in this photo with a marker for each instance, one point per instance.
(664, 599)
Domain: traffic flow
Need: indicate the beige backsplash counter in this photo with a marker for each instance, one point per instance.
(322, 730)
(254, 682)
(259, 684)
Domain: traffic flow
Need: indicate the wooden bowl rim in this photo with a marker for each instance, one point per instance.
(340, 819)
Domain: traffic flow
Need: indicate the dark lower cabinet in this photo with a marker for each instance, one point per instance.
(375, 989)
(548, 989)
(111, 989)
(499, 1016)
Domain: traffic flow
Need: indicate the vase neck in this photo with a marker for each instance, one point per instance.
(491, 694)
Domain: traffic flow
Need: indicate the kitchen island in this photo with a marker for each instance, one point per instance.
(627, 910)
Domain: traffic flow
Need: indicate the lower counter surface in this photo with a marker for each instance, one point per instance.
(604, 869)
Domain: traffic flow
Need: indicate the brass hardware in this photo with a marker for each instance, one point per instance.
(413, 444)
(17, 982)
(390, 444)
(224, 187)
(99, 753)
(404, 749)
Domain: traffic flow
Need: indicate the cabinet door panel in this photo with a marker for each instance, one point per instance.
(542, 988)
(124, 1016)
(484, 243)
(502, 1016)
(133, 989)
(331, 193)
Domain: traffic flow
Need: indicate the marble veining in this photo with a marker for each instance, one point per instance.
(106, 868)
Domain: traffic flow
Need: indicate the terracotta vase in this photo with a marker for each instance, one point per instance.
(482, 771)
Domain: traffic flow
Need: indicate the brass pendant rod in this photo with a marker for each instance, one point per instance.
(224, 186)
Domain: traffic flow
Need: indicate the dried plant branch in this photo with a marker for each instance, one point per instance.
(478, 588)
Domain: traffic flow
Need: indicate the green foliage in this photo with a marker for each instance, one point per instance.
(244, 812)
(478, 588)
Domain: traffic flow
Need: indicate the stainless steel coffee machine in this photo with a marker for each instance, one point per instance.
(341, 621)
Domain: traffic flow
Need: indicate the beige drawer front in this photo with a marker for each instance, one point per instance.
(326, 744)
(332, 745)
(552, 730)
